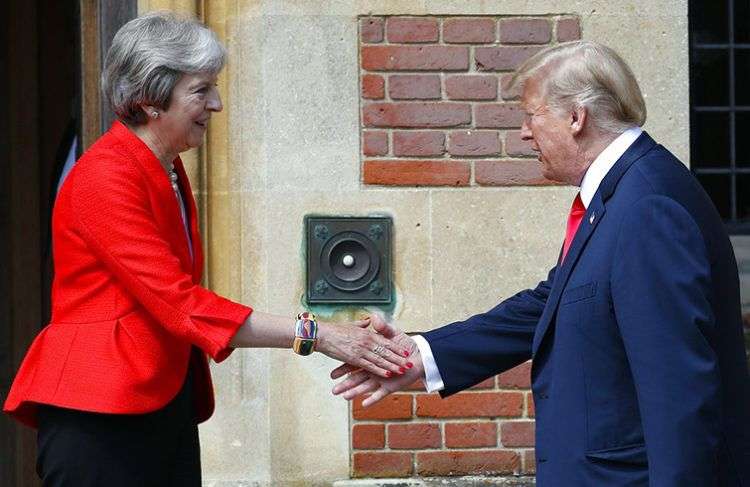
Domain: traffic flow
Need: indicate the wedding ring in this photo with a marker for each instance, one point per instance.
(378, 350)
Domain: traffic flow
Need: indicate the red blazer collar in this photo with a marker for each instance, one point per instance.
(148, 161)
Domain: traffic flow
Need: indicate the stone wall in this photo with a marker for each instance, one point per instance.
(288, 144)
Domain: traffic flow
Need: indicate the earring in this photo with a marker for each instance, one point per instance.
(154, 114)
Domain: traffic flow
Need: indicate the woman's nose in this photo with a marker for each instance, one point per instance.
(214, 103)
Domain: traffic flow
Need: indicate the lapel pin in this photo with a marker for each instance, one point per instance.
(591, 219)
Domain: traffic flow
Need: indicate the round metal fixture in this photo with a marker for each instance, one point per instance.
(349, 261)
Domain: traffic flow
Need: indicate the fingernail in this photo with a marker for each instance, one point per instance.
(406, 353)
(388, 373)
(409, 365)
(401, 370)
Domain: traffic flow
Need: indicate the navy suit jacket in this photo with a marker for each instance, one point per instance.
(639, 370)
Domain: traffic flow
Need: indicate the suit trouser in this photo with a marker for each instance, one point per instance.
(82, 449)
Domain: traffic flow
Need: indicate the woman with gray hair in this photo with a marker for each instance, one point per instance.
(119, 379)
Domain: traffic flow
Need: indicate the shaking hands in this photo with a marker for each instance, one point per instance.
(359, 381)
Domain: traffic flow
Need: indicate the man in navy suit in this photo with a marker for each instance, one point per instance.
(639, 371)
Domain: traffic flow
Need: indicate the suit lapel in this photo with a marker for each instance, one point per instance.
(591, 219)
(171, 218)
(192, 210)
(594, 214)
(166, 209)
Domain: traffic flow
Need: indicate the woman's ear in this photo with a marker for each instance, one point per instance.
(151, 111)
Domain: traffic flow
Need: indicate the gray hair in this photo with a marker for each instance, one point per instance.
(591, 75)
(149, 55)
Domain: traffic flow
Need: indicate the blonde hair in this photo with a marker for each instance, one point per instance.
(591, 75)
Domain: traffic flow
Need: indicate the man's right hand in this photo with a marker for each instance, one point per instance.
(359, 382)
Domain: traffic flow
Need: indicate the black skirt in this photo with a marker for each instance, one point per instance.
(83, 449)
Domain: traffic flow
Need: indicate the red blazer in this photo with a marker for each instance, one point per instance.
(127, 305)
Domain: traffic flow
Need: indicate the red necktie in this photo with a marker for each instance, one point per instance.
(574, 221)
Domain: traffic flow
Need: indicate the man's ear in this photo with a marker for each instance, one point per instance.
(578, 117)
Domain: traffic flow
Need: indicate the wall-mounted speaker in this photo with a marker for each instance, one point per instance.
(348, 259)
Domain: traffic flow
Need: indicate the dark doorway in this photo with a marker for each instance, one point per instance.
(40, 58)
(50, 55)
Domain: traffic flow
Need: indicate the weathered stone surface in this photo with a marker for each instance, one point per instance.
(290, 125)
(474, 481)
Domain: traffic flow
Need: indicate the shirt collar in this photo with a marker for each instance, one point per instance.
(604, 162)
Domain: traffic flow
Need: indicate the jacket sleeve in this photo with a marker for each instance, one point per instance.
(112, 214)
(468, 352)
(661, 292)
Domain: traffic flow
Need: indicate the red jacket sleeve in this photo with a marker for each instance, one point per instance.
(113, 211)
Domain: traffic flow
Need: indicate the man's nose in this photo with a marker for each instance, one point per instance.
(526, 131)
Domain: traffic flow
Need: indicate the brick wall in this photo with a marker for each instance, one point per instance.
(487, 430)
(436, 109)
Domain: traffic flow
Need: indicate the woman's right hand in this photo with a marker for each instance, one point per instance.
(363, 348)
(359, 382)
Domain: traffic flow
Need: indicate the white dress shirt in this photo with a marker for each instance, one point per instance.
(590, 183)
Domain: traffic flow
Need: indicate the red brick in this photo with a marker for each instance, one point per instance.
(498, 115)
(415, 435)
(501, 58)
(365, 436)
(468, 87)
(518, 377)
(510, 172)
(485, 384)
(470, 404)
(416, 115)
(529, 462)
(472, 143)
(374, 143)
(371, 29)
(396, 406)
(409, 30)
(531, 410)
(414, 86)
(382, 464)
(568, 29)
(415, 58)
(373, 87)
(482, 462)
(525, 31)
(418, 144)
(470, 31)
(417, 173)
(517, 433)
(508, 92)
(470, 435)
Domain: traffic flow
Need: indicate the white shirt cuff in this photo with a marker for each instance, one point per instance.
(432, 381)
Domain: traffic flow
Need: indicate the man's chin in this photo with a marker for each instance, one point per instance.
(551, 175)
(546, 172)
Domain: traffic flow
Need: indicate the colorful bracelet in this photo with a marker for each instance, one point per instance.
(305, 334)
